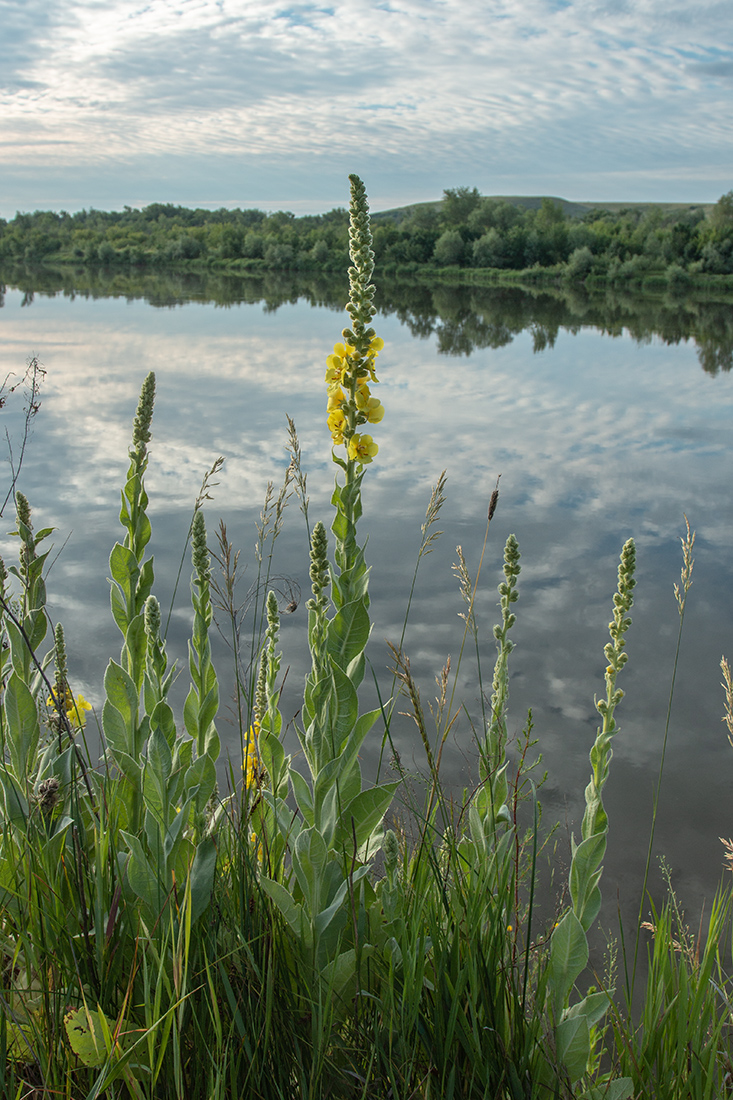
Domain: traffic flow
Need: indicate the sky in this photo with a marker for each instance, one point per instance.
(269, 104)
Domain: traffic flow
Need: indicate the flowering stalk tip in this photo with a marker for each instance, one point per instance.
(350, 369)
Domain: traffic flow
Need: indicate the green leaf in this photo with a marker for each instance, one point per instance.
(291, 911)
(124, 568)
(333, 789)
(36, 624)
(572, 1038)
(202, 877)
(160, 758)
(348, 633)
(115, 729)
(129, 767)
(162, 719)
(191, 714)
(18, 648)
(201, 774)
(362, 816)
(619, 1089)
(119, 607)
(142, 537)
(303, 796)
(568, 959)
(23, 729)
(347, 709)
(174, 833)
(141, 876)
(593, 1007)
(324, 918)
(209, 708)
(16, 805)
(86, 1032)
(122, 694)
(585, 873)
(309, 860)
(136, 644)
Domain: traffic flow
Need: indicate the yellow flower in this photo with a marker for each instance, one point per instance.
(362, 448)
(337, 364)
(336, 397)
(74, 708)
(336, 425)
(251, 762)
(75, 712)
(374, 410)
(257, 845)
(362, 394)
(335, 371)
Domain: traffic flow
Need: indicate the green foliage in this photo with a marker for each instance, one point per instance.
(160, 941)
(464, 229)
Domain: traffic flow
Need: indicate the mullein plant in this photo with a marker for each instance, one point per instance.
(576, 1025)
(337, 831)
(166, 781)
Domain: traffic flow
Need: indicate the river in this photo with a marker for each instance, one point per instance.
(605, 420)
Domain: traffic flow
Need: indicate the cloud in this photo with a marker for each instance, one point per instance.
(524, 88)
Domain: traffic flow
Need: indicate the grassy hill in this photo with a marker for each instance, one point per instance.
(534, 202)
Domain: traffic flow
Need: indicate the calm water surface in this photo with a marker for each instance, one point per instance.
(596, 437)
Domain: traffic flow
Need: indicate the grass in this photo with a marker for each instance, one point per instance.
(174, 929)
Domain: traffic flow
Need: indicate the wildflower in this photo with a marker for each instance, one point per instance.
(73, 706)
(336, 424)
(362, 448)
(374, 410)
(351, 364)
(257, 847)
(251, 762)
(338, 363)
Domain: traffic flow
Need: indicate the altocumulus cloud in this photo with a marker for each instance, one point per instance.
(585, 98)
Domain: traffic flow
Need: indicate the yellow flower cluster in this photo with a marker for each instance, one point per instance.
(251, 762)
(350, 402)
(74, 707)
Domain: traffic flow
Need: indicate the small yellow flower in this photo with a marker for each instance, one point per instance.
(74, 707)
(335, 371)
(336, 425)
(257, 846)
(336, 398)
(362, 448)
(251, 762)
(374, 410)
(362, 395)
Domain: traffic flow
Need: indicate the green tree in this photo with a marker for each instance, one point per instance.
(449, 248)
(458, 204)
(722, 213)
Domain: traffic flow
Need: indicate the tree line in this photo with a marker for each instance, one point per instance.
(463, 231)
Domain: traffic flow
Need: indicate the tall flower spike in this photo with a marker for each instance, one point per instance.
(144, 416)
(360, 307)
(152, 618)
(23, 509)
(199, 550)
(59, 655)
(351, 366)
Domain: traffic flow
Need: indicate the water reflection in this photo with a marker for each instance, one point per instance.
(462, 318)
(612, 431)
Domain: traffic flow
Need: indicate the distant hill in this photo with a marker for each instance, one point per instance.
(534, 202)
